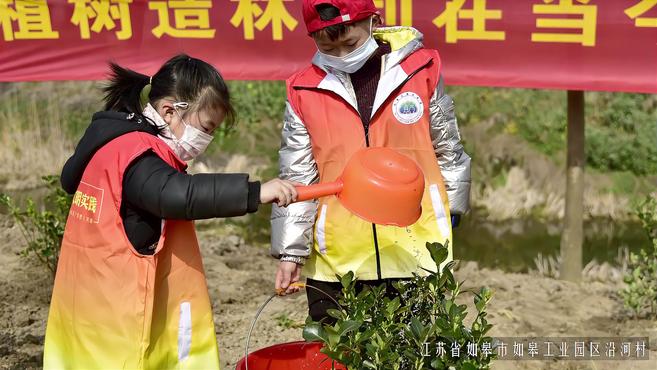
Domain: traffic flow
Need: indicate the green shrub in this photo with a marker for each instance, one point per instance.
(640, 295)
(376, 332)
(42, 230)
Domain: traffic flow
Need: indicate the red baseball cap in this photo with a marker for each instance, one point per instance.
(350, 11)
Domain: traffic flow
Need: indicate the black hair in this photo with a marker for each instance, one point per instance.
(182, 77)
(328, 12)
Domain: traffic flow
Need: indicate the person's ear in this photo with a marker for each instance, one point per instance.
(377, 21)
(166, 111)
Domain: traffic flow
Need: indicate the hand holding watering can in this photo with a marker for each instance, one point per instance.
(379, 185)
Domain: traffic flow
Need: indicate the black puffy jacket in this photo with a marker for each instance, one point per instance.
(153, 190)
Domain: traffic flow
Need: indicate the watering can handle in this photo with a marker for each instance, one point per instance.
(318, 190)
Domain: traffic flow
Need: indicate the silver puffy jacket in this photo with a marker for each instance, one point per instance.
(292, 227)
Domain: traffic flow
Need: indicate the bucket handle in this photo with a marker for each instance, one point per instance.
(262, 307)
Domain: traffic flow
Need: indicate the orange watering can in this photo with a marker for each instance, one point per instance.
(379, 185)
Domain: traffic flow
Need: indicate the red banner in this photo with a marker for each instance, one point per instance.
(561, 44)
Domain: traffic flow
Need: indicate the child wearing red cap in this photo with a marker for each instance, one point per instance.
(367, 86)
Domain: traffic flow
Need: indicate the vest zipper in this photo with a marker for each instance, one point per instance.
(366, 128)
(376, 249)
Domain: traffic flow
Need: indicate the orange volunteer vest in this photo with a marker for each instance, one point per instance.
(113, 308)
(400, 120)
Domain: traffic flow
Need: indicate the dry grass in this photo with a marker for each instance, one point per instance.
(39, 121)
(513, 180)
(31, 146)
(593, 271)
(520, 196)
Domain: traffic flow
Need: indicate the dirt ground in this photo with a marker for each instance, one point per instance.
(240, 278)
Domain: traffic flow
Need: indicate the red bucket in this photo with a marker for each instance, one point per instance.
(289, 356)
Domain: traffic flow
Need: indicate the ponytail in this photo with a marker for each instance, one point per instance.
(124, 89)
(182, 77)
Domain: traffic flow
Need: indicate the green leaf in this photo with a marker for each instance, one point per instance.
(481, 305)
(438, 363)
(451, 283)
(5, 200)
(393, 306)
(367, 335)
(418, 330)
(438, 252)
(335, 313)
(449, 265)
(347, 279)
(332, 335)
(468, 366)
(430, 272)
(313, 332)
(349, 326)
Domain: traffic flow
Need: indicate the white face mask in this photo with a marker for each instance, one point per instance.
(193, 141)
(355, 60)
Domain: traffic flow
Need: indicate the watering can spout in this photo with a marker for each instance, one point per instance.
(380, 185)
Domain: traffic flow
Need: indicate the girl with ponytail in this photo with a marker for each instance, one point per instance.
(130, 290)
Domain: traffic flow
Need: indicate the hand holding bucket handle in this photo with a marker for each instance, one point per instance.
(380, 185)
(318, 190)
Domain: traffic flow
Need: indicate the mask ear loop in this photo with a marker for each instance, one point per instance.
(182, 105)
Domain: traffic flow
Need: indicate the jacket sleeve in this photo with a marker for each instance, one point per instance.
(292, 227)
(453, 160)
(154, 186)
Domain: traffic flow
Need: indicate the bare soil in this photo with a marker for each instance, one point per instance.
(240, 279)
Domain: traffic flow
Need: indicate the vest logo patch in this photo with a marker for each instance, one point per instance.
(408, 108)
(87, 203)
